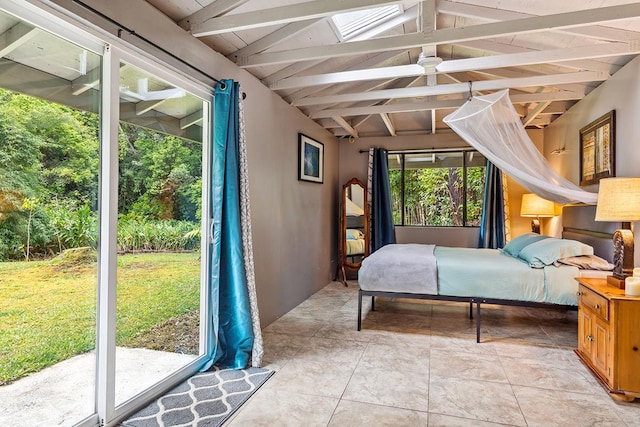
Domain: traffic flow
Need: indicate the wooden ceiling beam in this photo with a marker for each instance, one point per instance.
(544, 80)
(503, 48)
(448, 35)
(15, 37)
(346, 126)
(461, 65)
(388, 123)
(213, 10)
(272, 39)
(598, 32)
(439, 105)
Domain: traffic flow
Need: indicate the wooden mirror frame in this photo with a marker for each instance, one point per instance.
(344, 261)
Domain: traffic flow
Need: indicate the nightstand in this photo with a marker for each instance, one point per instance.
(609, 336)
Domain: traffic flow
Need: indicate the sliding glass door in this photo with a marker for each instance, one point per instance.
(159, 221)
(49, 197)
(103, 203)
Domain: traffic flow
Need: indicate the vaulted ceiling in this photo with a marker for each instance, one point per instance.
(549, 53)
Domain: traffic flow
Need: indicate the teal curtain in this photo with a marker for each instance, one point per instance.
(231, 335)
(383, 230)
(492, 226)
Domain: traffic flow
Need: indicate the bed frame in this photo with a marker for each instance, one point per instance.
(578, 224)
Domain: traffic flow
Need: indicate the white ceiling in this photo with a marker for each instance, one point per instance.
(549, 53)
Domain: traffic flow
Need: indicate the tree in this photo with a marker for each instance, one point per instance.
(157, 172)
(49, 167)
(70, 150)
(29, 205)
(20, 156)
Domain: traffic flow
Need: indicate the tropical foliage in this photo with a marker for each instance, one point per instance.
(49, 196)
(436, 196)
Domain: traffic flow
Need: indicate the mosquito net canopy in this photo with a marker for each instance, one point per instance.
(492, 126)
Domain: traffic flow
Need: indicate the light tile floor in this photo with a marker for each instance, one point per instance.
(417, 364)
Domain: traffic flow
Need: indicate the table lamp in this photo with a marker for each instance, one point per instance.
(619, 200)
(537, 207)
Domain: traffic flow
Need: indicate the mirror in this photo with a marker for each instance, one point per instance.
(354, 227)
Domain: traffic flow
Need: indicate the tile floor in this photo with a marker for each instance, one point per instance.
(417, 364)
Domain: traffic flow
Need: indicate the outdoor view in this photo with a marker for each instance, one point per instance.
(437, 188)
(101, 201)
(49, 196)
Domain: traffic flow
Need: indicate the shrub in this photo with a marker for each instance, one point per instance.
(161, 235)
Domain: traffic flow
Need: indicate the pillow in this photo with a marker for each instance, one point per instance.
(514, 247)
(585, 262)
(547, 251)
(354, 234)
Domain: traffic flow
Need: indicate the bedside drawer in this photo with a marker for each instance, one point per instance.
(595, 302)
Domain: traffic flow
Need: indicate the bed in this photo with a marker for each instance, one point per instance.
(531, 270)
(355, 242)
(354, 238)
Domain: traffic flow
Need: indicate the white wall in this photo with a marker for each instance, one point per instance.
(294, 222)
(621, 93)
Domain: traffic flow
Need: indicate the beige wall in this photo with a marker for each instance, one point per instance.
(520, 225)
(621, 93)
(294, 223)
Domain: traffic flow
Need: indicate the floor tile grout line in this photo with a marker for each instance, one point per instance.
(348, 382)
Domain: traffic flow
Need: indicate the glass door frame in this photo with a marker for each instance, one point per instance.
(113, 57)
(114, 51)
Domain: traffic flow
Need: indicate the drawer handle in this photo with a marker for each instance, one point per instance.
(597, 306)
(590, 338)
(579, 293)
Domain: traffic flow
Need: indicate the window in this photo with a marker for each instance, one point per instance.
(437, 188)
(350, 24)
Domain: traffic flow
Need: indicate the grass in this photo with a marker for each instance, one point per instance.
(48, 309)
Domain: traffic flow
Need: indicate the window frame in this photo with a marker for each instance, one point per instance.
(464, 166)
(375, 16)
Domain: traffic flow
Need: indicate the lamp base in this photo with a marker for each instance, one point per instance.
(615, 282)
(622, 258)
(535, 226)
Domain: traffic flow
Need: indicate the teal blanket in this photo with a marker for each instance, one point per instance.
(465, 272)
(488, 273)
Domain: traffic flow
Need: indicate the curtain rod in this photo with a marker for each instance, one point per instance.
(426, 150)
(131, 32)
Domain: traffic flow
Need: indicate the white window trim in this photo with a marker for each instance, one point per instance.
(370, 21)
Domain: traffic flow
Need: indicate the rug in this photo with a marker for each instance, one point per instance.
(205, 400)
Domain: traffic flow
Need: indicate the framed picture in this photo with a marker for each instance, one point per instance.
(597, 149)
(311, 159)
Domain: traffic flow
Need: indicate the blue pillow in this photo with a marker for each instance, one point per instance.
(547, 251)
(514, 247)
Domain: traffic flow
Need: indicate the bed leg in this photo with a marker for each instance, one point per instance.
(360, 310)
(373, 303)
(478, 322)
(471, 310)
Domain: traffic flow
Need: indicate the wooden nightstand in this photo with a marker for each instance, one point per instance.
(609, 336)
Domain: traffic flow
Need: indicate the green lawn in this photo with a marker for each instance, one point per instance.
(48, 310)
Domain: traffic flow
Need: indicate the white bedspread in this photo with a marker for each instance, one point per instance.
(408, 268)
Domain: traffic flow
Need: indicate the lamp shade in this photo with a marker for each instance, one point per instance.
(619, 200)
(535, 206)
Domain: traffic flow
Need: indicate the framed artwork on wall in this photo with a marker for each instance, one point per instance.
(310, 159)
(597, 149)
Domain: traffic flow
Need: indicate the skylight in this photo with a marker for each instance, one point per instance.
(350, 24)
